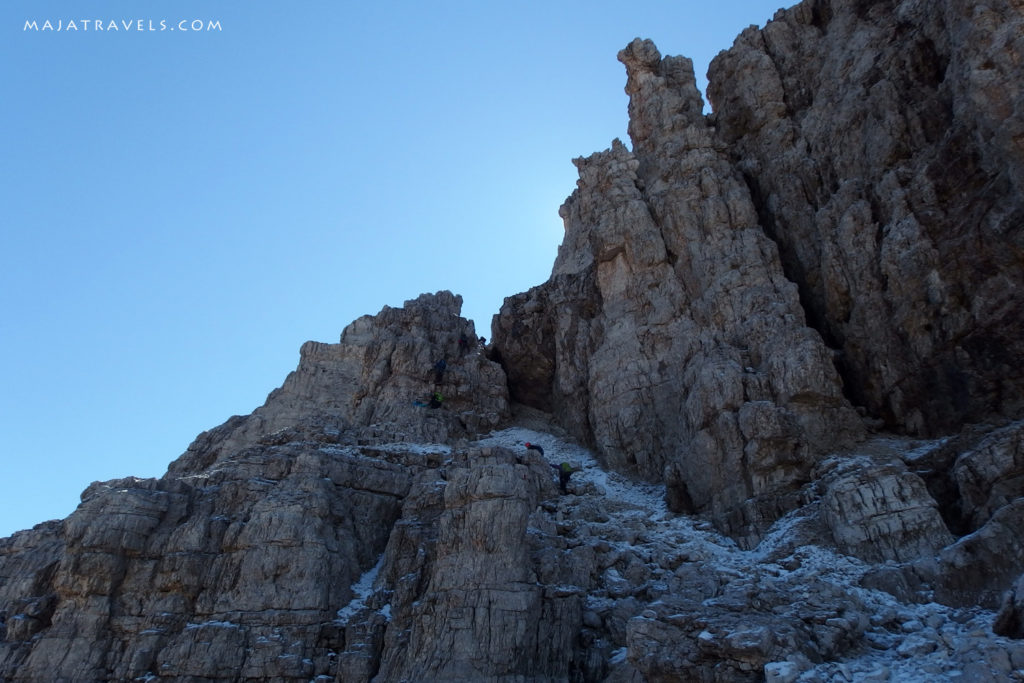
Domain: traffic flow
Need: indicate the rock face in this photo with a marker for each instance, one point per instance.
(236, 562)
(1010, 620)
(884, 145)
(367, 386)
(670, 337)
(740, 303)
(845, 228)
(508, 624)
(879, 511)
(320, 561)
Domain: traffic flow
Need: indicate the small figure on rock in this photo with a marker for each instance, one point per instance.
(565, 471)
(436, 399)
(534, 447)
(463, 344)
(439, 368)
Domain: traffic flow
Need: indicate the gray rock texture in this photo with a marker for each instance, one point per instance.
(670, 337)
(844, 228)
(879, 511)
(235, 563)
(1010, 620)
(883, 143)
(795, 321)
(367, 387)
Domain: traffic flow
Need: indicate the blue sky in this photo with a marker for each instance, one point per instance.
(181, 210)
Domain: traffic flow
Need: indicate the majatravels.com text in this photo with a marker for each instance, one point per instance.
(123, 25)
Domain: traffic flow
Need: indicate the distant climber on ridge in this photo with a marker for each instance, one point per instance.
(534, 447)
(439, 368)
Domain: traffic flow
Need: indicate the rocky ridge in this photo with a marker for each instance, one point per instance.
(481, 572)
(778, 342)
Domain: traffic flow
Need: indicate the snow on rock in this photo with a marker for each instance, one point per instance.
(361, 590)
(670, 590)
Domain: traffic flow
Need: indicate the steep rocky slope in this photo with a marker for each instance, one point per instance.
(672, 340)
(780, 344)
(236, 561)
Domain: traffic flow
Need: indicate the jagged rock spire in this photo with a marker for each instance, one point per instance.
(687, 356)
(663, 95)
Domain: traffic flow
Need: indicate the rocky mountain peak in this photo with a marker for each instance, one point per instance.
(669, 333)
(375, 384)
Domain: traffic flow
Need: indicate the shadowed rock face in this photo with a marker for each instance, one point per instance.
(1010, 620)
(884, 146)
(846, 227)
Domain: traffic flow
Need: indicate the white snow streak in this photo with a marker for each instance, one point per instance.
(361, 590)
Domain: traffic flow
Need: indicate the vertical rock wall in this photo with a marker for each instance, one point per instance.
(884, 145)
(847, 226)
(671, 339)
(477, 611)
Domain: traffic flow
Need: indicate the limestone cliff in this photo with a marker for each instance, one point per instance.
(673, 341)
(844, 231)
(884, 146)
(779, 346)
(235, 563)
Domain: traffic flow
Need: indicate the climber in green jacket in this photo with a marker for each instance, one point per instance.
(565, 471)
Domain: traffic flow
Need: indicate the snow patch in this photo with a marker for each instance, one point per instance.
(212, 624)
(361, 590)
(414, 448)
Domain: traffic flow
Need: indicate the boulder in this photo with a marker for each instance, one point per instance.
(1010, 620)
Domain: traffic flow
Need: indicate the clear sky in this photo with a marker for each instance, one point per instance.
(181, 209)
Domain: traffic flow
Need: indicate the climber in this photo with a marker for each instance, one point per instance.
(436, 399)
(565, 471)
(534, 447)
(463, 344)
(439, 368)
